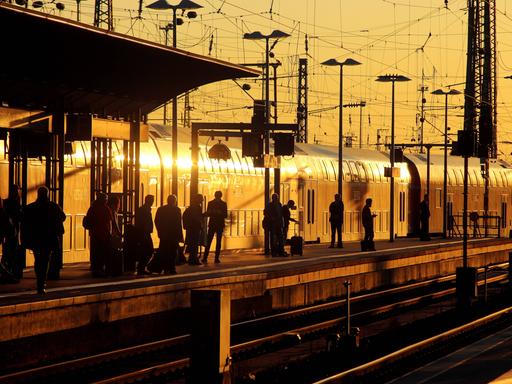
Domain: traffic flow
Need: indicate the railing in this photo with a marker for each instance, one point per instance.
(478, 226)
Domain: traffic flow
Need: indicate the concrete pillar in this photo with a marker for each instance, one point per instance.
(210, 360)
(466, 285)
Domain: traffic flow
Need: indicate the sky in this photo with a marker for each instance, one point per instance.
(424, 40)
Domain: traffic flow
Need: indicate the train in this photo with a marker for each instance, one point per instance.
(310, 178)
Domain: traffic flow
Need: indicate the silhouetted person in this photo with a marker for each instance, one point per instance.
(6, 229)
(287, 218)
(217, 212)
(424, 218)
(42, 227)
(114, 260)
(13, 256)
(144, 225)
(99, 223)
(193, 224)
(170, 233)
(273, 218)
(367, 218)
(336, 209)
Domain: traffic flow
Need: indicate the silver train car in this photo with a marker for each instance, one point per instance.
(309, 178)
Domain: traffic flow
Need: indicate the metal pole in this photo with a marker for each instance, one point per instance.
(347, 285)
(340, 139)
(392, 179)
(174, 182)
(277, 171)
(465, 217)
(445, 171)
(428, 171)
(485, 283)
(361, 124)
(267, 140)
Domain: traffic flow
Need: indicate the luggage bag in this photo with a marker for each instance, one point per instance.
(296, 245)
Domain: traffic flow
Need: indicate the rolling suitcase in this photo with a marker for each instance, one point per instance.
(296, 245)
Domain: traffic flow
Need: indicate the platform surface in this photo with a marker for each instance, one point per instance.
(75, 278)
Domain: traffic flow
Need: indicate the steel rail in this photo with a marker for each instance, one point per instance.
(414, 348)
(272, 339)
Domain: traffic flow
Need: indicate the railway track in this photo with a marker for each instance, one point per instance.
(250, 338)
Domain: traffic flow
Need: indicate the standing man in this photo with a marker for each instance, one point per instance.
(98, 221)
(368, 217)
(336, 218)
(43, 226)
(217, 211)
(170, 233)
(193, 223)
(144, 225)
(424, 218)
(13, 257)
(273, 222)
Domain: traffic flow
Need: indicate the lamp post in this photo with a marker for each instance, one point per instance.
(445, 169)
(334, 62)
(392, 79)
(276, 35)
(182, 5)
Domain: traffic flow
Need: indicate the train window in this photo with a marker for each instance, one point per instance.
(357, 221)
(503, 214)
(471, 179)
(456, 177)
(334, 169)
(439, 198)
(356, 175)
(503, 179)
(68, 233)
(80, 233)
(313, 206)
(476, 177)
(309, 206)
(324, 169)
(494, 179)
(346, 171)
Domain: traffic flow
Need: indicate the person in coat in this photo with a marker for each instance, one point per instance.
(217, 212)
(424, 218)
(193, 223)
(367, 218)
(170, 233)
(144, 225)
(336, 209)
(273, 221)
(42, 228)
(98, 221)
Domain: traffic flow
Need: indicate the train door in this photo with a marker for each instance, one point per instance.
(401, 228)
(310, 199)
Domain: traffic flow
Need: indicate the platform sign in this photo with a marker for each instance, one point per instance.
(391, 172)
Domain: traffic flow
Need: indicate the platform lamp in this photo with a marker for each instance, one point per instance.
(445, 160)
(340, 64)
(274, 35)
(183, 5)
(392, 79)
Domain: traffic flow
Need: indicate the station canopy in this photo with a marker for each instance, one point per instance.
(55, 64)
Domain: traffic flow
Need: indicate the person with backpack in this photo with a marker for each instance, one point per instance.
(273, 222)
(98, 221)
(193, 224)
(170, 233)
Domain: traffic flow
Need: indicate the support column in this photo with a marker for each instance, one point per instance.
(194, 172)
(210, 360)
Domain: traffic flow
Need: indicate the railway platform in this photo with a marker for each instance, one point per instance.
(78, 304)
